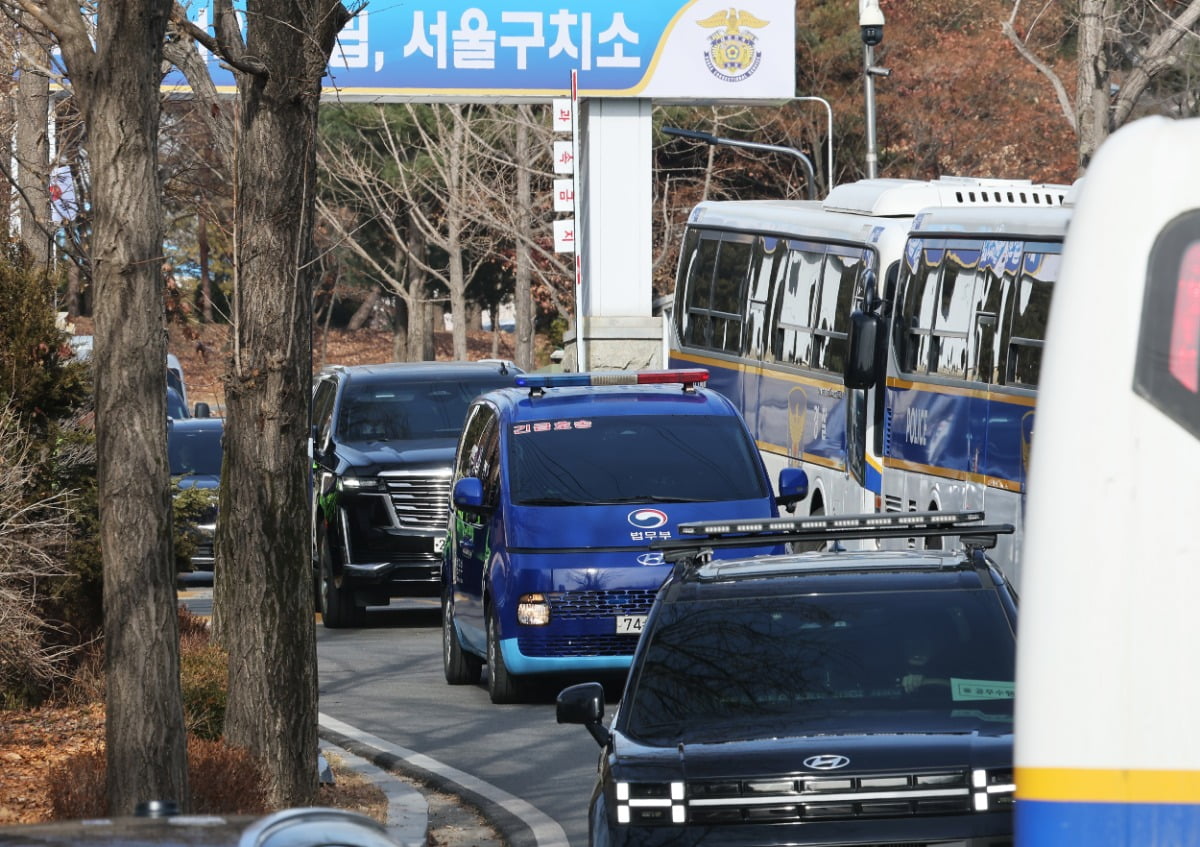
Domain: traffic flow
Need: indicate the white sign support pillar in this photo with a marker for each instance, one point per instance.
(615, 324)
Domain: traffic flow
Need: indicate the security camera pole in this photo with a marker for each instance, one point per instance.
(870, 24)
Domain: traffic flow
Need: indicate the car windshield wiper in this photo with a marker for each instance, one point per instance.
(553, 501)
(652, 498)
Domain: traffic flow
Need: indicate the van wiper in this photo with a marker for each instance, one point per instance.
(653, 498)
(553, 501)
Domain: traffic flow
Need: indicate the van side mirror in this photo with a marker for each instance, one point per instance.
(202, 410)
(468, 494)
(793, 487)
(864, 361)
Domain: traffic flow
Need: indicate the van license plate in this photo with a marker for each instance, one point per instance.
(630, 624)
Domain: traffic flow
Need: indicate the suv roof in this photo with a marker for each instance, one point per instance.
(837, 569)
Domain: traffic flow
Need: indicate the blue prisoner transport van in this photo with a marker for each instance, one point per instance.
(560, 486)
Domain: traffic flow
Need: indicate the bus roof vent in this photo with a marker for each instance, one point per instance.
(906, 197)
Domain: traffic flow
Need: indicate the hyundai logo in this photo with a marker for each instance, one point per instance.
(650, 559)
(826, 763)
(648, 518)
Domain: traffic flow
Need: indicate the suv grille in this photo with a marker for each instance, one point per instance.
(806, 799)
(421, 499)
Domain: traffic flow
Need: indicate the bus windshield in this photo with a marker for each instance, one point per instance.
(633, 459)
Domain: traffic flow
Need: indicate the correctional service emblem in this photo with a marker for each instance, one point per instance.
(733, 52)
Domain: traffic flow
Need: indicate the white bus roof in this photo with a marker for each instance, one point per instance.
(804, 219)
(906, 197)
(997, 220)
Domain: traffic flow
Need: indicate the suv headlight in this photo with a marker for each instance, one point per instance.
(360, 483)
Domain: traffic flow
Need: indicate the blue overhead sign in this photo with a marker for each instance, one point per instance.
(443, 50)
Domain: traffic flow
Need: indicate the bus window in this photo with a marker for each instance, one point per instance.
(1031, 309)
(700, 256)
(767, 268)
(842, 268)
(953, 321)
(983, 365)
(794, 326)
(918, 309)
(733, 265)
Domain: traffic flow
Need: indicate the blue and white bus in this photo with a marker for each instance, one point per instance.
(763, 300)
(963, 331)
(1107, 732)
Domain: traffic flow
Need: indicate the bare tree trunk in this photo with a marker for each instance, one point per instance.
(115, 71)
(455, 221)
(363, 313)
(206, 305)
(1092, 92)
(401, 315)
(420, 339)
(523, 296)
(263, 593)
(33, 145)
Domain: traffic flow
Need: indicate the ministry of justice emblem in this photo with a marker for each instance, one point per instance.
(733, 52)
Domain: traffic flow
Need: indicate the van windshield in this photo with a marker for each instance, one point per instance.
(633, 459)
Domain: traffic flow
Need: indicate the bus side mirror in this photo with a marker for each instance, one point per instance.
(864, 362)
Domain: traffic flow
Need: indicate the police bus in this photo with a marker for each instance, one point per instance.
(954, 363)
(1107, 730)
(763, 300)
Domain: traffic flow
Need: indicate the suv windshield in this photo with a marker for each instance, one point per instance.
(194, 452)
(633, 459)
(731, 668)
(409, 410)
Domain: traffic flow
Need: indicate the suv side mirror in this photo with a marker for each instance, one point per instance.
(584, 704)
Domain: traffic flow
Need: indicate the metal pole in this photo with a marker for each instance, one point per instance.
(869, 82)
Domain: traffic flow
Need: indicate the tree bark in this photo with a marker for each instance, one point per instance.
(206, 305)
(1092, 92)
(115, 73)
(523, 295)
(363, 313)
(33, 145)
(263, 594)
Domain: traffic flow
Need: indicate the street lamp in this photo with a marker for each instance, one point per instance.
(870, 24)
(709, 138)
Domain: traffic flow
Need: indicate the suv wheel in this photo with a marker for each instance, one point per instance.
(460, 667)
(503, 687)
(337, 600)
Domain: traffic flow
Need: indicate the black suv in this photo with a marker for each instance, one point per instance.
(849, 697)
(383, 439)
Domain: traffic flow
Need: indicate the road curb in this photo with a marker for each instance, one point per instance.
(519, 823)
(408, 811)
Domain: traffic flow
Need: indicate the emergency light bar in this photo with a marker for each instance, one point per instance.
(694, 536)
(682, 376)
(834, 522)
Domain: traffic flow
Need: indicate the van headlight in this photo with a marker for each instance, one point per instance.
(533, 610)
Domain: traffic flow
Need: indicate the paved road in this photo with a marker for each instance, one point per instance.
(386, 680)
